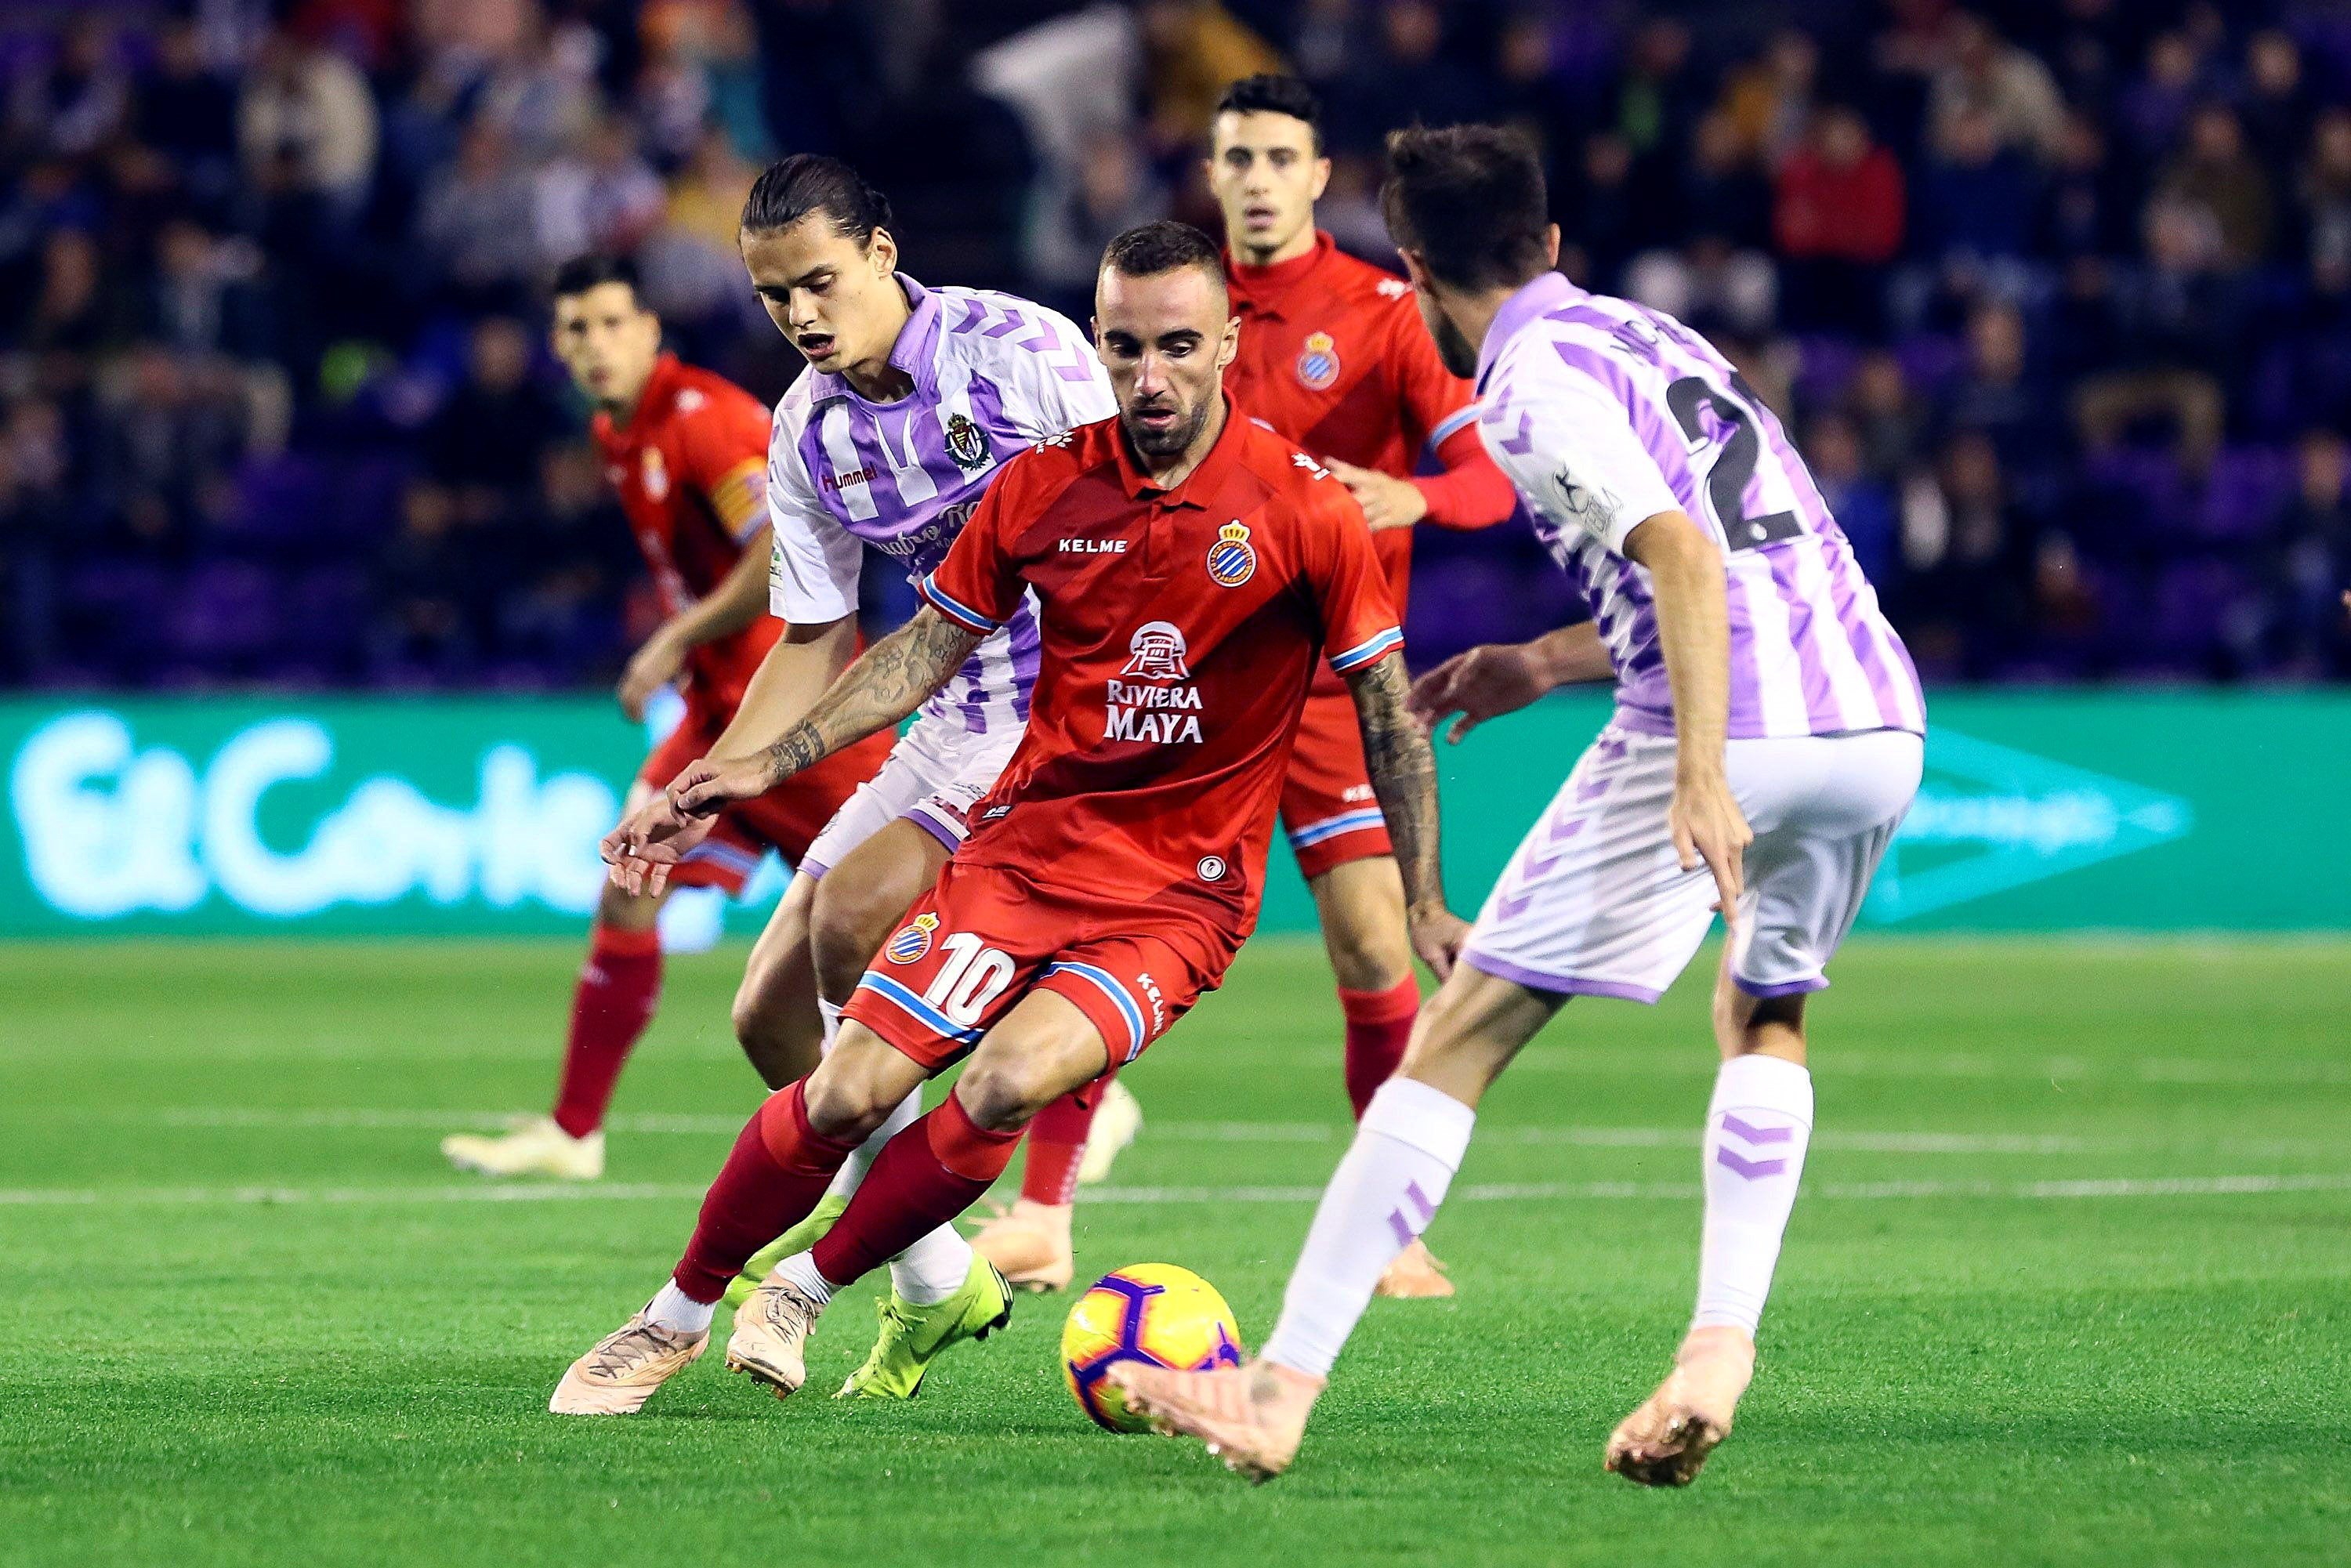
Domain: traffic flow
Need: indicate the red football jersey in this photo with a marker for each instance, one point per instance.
(691, 468)
(1179, 631)
(1334, 355)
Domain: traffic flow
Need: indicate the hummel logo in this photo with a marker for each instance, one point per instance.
(1093, 547)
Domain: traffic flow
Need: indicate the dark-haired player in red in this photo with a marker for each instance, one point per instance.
(1333, 356)
(1192, 569)
(686, 451)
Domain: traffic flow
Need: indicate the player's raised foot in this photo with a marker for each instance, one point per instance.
(771, 1338)
(1117, 1120)
(912, 1337)
(622, 1371)
(1415, 1275)
(1665, 1442)
(798, 1238)
(530, 1146)
(1029, 1244)
(1252, 1417)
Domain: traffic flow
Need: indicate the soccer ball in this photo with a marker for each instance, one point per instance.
(1152, 1312)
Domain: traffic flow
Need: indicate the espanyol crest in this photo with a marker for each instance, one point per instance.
(656, 475)
(1232, 559)
(914, 939)
(966, 443)
(1317, 362)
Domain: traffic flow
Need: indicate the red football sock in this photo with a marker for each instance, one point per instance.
(774, 1176)
(923, 1178)
(1057, 1143)
(619, 986)
(1379, 1026)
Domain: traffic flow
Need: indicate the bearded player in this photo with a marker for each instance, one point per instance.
(913, 400)
(1333, 357)
(1190, 569)
(1768, 739)
(686, 453)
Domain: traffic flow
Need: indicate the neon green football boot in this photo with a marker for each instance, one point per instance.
(912, 1337)
(798, 1238)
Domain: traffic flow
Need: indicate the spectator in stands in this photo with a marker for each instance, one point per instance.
(2216, 172)
(1984, 74)
(187, 113)
(1862, 504)
(79, 100)
(1838, 217)
(479, 219)
(2312, 561)
(307, 128)
(487, 442)
(2002, 395)
(2324, 195)
(2175, 323)
(2275, 104)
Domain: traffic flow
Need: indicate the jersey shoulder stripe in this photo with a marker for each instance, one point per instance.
(984, 328)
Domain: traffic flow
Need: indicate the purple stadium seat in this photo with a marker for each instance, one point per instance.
(227, 613)
(2249, 486)
(1931, 363)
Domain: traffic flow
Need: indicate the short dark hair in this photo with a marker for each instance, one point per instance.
(1469, 200)
(582, 273)
(1164, 246)
(808, 183)
(1273, 93)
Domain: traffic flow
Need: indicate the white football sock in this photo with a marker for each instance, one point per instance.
(799, 1272)
(933, 1269)
(1383, 1195)
(1757, 1128)
(861, 1158)
(674, 1309)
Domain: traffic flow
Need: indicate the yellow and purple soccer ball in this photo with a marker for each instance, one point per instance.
(1152, 1312)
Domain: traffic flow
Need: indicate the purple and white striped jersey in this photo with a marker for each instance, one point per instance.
(1606, 413)
(993, 376)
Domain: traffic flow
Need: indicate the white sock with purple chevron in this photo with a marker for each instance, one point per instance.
(1757, 1127)
(1383, 1195)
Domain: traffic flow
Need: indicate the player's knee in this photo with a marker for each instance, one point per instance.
(846, 1106)
(1003, 1094)
(1368, 956)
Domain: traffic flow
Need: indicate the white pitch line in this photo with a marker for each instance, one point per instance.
(1487, 1192)
(1857, 1141)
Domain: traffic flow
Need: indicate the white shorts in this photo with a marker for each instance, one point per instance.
(1595, 902)
(935, 774)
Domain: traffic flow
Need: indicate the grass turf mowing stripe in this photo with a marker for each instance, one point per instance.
(1489, 1192)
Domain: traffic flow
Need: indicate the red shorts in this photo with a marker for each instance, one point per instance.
(1327, 805)
(784, 820)
(984, 936)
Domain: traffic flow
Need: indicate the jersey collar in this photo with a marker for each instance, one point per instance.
(1546, 292)
(1199, 486)
(1264, 291)
(917, 351)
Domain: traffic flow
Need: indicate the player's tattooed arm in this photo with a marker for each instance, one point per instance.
(880, 688)
(889, 683)
(1404, 777)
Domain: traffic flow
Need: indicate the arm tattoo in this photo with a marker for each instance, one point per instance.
(1404, 774)
(877, 691)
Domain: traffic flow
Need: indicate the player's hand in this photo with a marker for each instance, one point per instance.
(650, 843)
(1387, 501)
(1437, 934)
(655, 666)
(1710, 828)
(1484, 682)
(709, 787)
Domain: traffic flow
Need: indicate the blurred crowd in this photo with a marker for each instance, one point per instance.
(2055, 295)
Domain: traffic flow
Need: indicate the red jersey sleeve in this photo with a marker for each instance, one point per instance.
(977, 586)
(1442, 413)
(1343, 577)
(723, 446)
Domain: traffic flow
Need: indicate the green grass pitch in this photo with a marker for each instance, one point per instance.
(2071, 1283)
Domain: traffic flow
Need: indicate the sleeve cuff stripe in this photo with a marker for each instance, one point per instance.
(1460, 419)
(954, 611)
(1363, 652)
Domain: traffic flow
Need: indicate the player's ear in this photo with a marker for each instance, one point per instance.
(883, 251)
(1321, 179)
(1229, 344)
(1550, 244)
(1416, 270)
